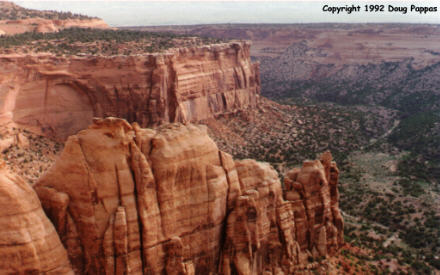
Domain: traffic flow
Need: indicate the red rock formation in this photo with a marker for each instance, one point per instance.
(29, 243)
(313, 194)
(59, 96)
(141, 201)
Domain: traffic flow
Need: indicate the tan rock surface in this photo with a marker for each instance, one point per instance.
(11, 27)
(29, 243)
(17, 19)
(58, 96)
(141, 201)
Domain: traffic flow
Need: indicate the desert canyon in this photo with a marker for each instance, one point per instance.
(121, 198)
(159, 150)
(58, 96)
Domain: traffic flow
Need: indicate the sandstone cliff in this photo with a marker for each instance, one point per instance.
(29, 243)
(58, 96)
(141, 201)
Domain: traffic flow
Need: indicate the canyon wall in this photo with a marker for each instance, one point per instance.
(58, 96)
(125, 199)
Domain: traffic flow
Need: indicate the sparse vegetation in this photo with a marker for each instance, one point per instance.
(393, 209)
(390, 186)
(381, 202)
(10, 11)
(285, 136)
(410, 90)
(86, 41)
(29, 161)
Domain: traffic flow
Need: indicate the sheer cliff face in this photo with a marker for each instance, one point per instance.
(130, 200)
(29, 243)
(59, 96)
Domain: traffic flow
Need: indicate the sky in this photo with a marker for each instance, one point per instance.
(150, 13)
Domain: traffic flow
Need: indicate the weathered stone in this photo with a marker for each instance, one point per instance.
(313, 194)
(141, 201)
(58, 96)
(29, 244)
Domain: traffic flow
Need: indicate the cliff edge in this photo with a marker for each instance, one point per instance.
(58, 96)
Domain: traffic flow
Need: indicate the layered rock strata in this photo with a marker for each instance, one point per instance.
(58, 96)
(141, 201)
(29, 243)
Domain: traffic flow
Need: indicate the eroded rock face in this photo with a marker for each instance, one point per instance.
(141, 201)
(29, 243)
(58, 96)
(313, 195)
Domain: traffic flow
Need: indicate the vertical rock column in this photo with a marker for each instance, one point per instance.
(312, 192)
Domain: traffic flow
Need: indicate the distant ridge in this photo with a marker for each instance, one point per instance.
(11, 11)
(15, 19)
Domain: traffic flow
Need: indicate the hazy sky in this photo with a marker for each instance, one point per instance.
(138, 13)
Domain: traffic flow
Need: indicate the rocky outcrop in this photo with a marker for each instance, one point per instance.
(58, 96)
(29, 243)
(314, 198)
(141, 201)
